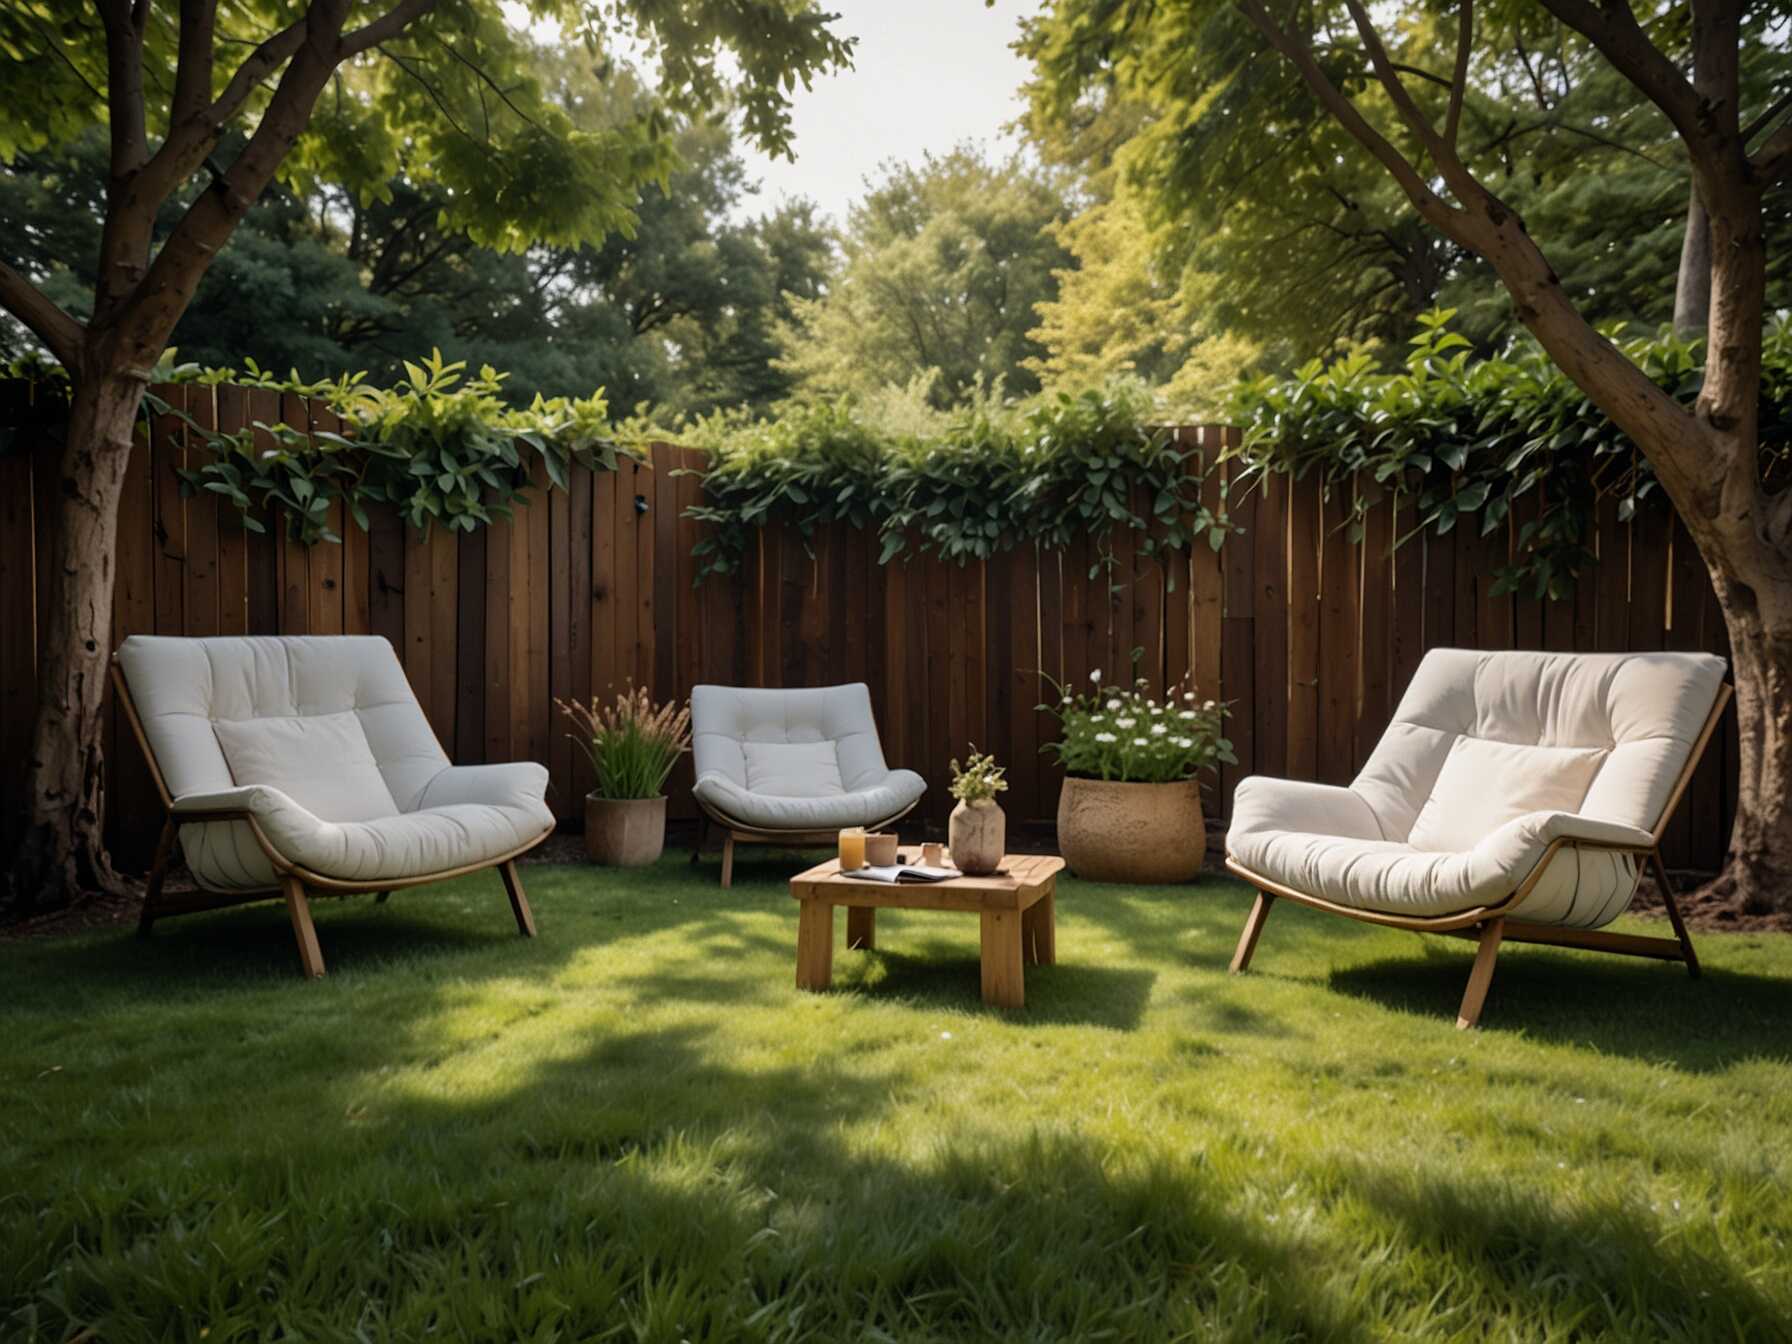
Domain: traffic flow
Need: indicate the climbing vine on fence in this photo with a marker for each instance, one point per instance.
(1047, 470)
(441, 447)
(1469, 439)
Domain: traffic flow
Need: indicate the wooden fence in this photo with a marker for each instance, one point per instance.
(1309, 635)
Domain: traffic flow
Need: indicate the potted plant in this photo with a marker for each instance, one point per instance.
(977, 833)
(633, 745)
(1131, 806)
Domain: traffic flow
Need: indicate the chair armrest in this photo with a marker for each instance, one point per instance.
(1265, 803)
(1518, 849)
(1535, 831)
(511, 784)
(238, 804)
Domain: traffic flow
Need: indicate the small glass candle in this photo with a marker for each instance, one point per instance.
(852, 848)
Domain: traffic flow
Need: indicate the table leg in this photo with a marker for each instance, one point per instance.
(861, 927)
(814, 945)
(1004, 984)
(1039, 931)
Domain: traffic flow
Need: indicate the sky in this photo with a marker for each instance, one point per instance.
(928, 74)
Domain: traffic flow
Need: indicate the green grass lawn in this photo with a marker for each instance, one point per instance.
(634, 1127)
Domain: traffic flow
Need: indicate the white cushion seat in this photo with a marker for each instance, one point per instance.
(321, 741)
(1514, 796)
(792, 763)
(795, 760)
(1490, 758)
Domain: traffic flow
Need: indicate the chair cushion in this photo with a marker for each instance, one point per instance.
(320, 761)
(898, 791)
(724, 719)
(225, 857)
(1645, 709)
(1581, 887)
(181, 687)
(1485, 784)
(793, 769)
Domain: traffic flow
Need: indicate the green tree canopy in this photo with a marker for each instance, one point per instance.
(1245, 177)
(941, 268)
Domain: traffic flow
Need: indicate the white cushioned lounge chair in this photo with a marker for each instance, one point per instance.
(305, 762)
(1514, 797)
(792, 767)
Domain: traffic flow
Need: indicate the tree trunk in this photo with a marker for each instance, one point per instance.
(1757, 873)
(61, 849)
(1692, 286)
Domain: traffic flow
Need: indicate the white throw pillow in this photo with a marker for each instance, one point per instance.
(1486, 784)
(793, 769)
(321, 761)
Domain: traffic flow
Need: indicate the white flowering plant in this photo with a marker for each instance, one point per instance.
(1127, 734)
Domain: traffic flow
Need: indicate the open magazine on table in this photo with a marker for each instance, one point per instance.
(902, 872)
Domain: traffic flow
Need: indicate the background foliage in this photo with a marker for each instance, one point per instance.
(1469, 437)
(1047, 470)
(440, 447)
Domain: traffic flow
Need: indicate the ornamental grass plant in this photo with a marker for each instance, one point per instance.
(1128, 735)
(633, 744)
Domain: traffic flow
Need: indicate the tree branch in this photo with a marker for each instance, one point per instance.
(1428, 203)
(387, 26)
(1774, 158)
(1613, 29)
(1465, 36)
(1679, 445)
(193, 68)
(1773, 113)
(59, 332)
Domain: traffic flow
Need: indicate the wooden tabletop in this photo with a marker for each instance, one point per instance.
(1024, 878)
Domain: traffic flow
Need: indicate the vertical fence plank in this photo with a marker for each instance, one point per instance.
(641, 520)
(167, 454)
(1048, 575)
(292, 558)
(499, 598)
(1339, 632)
(1375, 607)
(326, 568)
(1269, 702)
(204, 614)
(470, 687)
(18, 605)
(606, 670)
(1238, 652)
(1207, 589)
(131, 804)
(1303, 629)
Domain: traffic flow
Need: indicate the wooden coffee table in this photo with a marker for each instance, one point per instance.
(1017, 909)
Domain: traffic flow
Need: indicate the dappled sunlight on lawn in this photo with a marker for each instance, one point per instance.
(637, 1119)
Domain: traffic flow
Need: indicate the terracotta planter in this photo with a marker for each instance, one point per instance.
(1135, 833)
(977, 835)
(624, 832)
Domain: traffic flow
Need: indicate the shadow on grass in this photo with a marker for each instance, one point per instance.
(1599, 1267)
(654, 1181)
(1102, 996)
(1620, 1005)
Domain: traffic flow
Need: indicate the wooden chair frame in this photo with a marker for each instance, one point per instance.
(735, 833)
(293, 878)
(1489, 926)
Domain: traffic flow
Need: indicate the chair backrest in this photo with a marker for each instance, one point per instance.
(1643, 712)
(788, 743)
(336, 707)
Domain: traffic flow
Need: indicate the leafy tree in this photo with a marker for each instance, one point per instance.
(204, 107)
(942, 265)
(680, 313)
(1318, 246)
(1125, 310)
(1410, 109)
